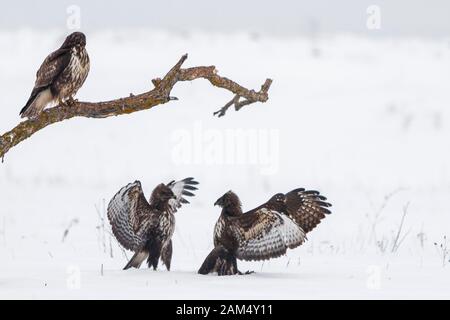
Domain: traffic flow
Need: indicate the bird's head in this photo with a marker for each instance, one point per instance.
(162, 193)
(75, 39)
(229, 199)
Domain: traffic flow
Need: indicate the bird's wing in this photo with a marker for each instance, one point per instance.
(306, 208)
(263, 234)
(130, 216)
(52, 67)
(181, 189)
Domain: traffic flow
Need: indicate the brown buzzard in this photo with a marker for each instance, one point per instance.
(60, 76)
(264, 232)
(147, 227)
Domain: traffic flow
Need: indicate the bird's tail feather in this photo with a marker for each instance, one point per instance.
(38, 100)
(136, 260)
(27, 105)
(219, 260)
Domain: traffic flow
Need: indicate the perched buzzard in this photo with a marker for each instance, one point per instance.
(60, 76)
(264, 232)
(147, 227)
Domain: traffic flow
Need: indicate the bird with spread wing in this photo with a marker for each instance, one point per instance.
(262, 233)
(146, 227)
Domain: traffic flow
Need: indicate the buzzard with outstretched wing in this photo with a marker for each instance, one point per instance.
(60, 76)
(146, 227)
(265, 232)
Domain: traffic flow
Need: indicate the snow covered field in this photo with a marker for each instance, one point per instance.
(364, 120)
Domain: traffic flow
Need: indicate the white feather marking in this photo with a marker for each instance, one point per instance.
(120, 216)
(283, 234)
(43, 99)
(177, 188)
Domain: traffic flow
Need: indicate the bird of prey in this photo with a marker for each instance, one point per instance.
(60, 76)
(147, 227)
(262, 233)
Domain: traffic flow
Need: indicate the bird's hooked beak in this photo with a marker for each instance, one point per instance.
(220, 202)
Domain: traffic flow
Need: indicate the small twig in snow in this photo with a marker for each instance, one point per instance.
(73, 222)
(422, 237)
(397, 240)
(376, 219)
(444, 251)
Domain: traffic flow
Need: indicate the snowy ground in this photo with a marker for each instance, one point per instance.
(365, 121)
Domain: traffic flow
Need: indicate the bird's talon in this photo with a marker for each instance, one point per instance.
(246, 272)
(219, 113)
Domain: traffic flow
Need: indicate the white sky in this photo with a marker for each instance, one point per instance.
(399, 17)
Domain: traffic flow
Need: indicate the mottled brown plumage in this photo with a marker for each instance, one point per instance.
(262, 233)
(60, 76)
(147, 227)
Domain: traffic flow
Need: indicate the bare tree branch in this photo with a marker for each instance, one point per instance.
(160, 94)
